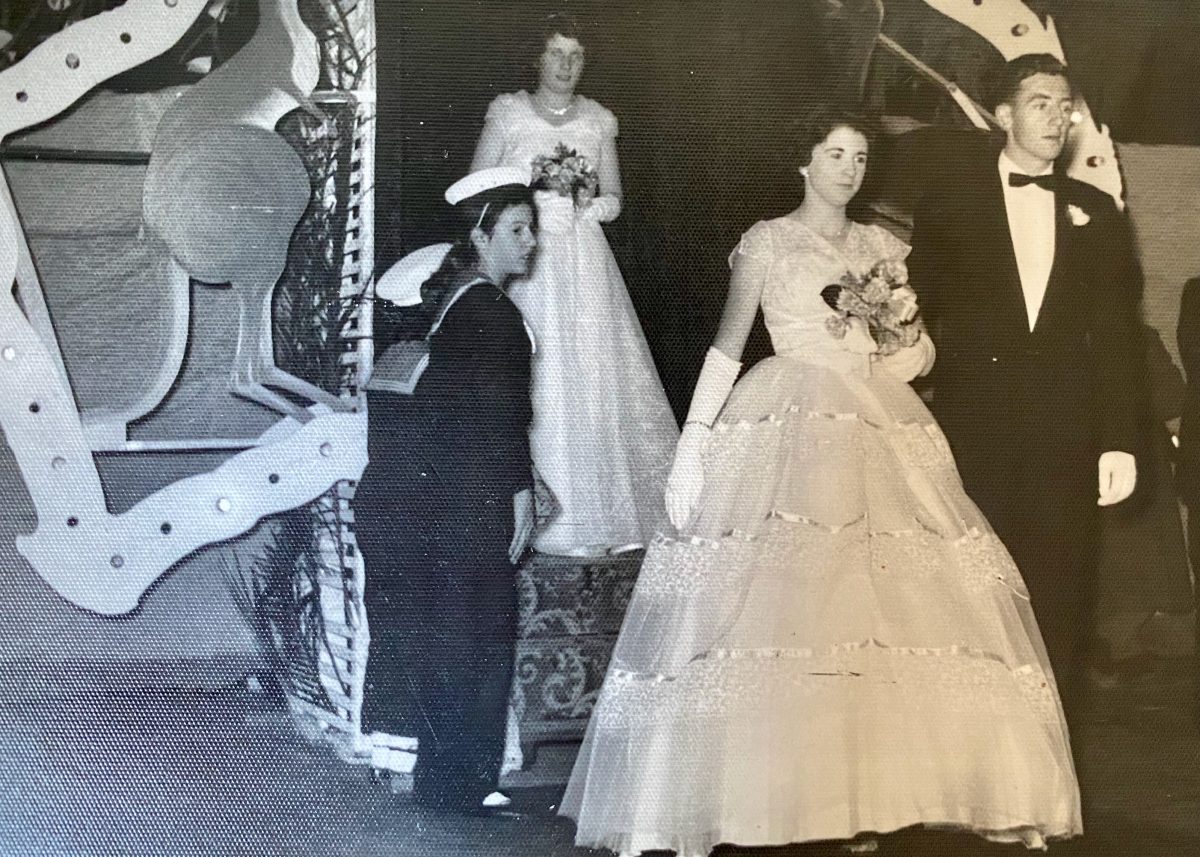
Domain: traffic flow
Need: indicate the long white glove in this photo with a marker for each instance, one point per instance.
(687, 471)
(556, 213)
(602, 209)
(912, 362)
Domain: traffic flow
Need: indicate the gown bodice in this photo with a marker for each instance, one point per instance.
(798, 263)
(527, 135)
(604, 434)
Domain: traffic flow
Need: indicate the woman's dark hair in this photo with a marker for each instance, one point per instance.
(480, 211)
(559, 23)
(816, 123)
(1005, 83)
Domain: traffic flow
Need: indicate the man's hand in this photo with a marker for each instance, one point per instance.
(1118, 477)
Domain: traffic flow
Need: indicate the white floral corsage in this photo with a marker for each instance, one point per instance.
(1078, 216)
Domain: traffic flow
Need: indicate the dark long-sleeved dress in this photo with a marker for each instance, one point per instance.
(434, 520)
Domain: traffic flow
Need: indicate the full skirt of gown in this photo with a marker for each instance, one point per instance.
(603, 434)
(838, 643)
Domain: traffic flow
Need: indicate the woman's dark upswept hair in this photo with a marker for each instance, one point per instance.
(463, 256)
(818, 121)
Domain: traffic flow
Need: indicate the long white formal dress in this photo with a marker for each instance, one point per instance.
(839, 643)
(603, 434)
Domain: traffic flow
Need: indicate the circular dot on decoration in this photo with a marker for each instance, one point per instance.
(72, 521)
(1096, 161)
(126, 38)
(117, 560)
(1020, 29)
(1076, 117)
(165, 529)
(327, 449)
(22, 96)
(58, 462)
(72, 61)
(34, 407)
(273, 478)
(9, 353)
(223, 504)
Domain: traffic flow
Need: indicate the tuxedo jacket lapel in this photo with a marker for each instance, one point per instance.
(1056, 284)
(998, 244)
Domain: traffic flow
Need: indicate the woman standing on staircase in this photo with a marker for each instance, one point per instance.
(603, 433)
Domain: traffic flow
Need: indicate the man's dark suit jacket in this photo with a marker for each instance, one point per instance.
(1029, 411)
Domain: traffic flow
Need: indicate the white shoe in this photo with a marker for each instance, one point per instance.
(496, 799)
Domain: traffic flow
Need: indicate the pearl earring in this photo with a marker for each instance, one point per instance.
(804, 171)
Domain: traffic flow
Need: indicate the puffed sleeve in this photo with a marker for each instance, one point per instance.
(500, 111)
(500, 118)
(756, 243)
(608, 123)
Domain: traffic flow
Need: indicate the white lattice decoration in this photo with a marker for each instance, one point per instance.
(343, 662)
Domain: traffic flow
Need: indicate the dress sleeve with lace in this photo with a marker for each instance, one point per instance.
(756, 243)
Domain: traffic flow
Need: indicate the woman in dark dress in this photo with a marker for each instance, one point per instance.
(445, 507)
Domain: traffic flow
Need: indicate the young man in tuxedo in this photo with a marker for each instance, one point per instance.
(1030, 289)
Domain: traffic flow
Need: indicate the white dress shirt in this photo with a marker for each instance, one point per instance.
(1031, 225)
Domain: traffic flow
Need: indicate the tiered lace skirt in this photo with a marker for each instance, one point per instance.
(838, 644)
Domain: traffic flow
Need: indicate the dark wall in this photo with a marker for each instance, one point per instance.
(703, 91)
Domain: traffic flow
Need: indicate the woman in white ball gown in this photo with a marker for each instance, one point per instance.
(835, 643)
(603, 433)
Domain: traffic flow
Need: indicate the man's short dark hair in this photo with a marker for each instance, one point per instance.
(1006, 83)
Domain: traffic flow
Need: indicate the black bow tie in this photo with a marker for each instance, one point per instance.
(1047, 182)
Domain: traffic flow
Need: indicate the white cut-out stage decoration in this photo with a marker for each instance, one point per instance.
(224, 193)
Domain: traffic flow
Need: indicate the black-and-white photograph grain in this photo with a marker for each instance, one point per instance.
(599, 427)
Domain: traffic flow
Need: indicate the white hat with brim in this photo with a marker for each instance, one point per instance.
(481, 180)
(402, 282)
